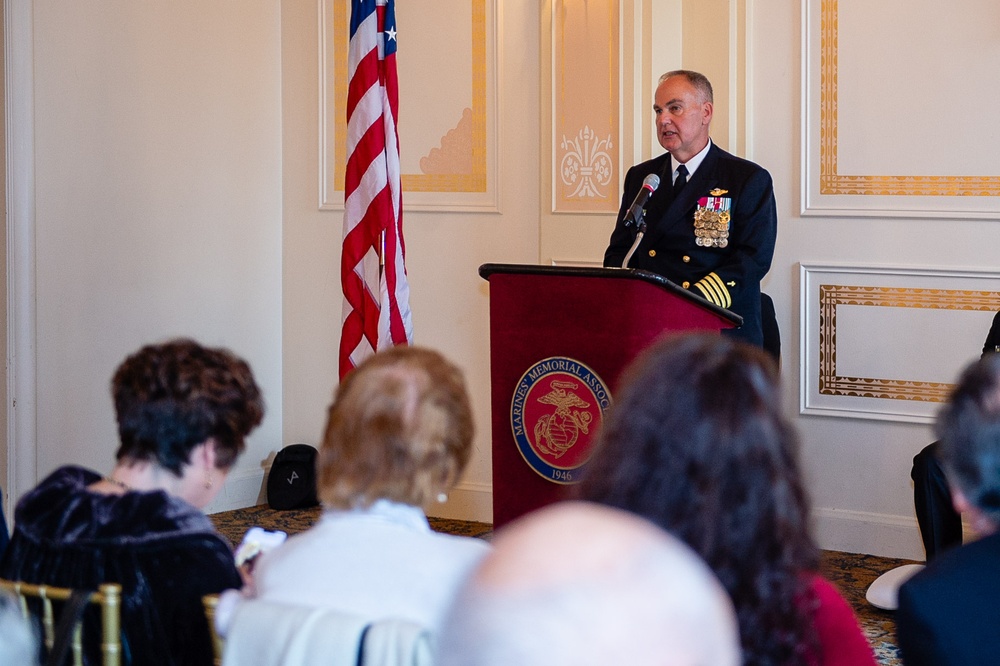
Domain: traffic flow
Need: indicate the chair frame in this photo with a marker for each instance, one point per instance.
(108, 598)
(211, 602)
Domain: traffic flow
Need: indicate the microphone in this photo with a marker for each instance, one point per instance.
(649, 185)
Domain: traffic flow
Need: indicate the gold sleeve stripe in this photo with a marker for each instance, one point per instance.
(714, 284)
(727, 298)
(709, 295)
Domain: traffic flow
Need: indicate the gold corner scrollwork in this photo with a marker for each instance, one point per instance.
(833, 182)
(474, 181)
(832, 296)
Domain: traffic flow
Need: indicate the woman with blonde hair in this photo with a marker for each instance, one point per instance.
(398, 436)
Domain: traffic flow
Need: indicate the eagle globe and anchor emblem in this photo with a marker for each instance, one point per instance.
(557, 406)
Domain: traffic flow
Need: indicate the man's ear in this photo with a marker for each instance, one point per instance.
(981, 523)
(707, 110)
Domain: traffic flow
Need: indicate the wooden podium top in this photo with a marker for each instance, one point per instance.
(487, 270)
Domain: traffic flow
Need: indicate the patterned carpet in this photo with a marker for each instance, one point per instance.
(851, 573)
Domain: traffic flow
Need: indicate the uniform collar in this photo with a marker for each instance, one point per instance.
(693, 163)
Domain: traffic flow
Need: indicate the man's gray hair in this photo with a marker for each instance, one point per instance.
(697, 79)
(969, 430)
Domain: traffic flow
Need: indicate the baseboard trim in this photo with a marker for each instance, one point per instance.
(466, 501)
(881, 534)
(242, 489)
(869, 533)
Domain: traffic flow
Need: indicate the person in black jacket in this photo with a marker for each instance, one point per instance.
(183, 413)
(711, 230)
(947, 612)
(940, 524)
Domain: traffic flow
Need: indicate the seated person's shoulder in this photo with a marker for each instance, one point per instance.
(992, 343)
(959, 572)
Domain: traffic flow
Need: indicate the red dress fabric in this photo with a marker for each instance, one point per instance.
(841, 641)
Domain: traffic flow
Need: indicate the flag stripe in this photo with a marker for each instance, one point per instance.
(376, 297)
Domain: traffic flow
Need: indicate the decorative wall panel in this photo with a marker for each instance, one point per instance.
(586, 106)
(899, 116)
(447, 103)
(936, 322)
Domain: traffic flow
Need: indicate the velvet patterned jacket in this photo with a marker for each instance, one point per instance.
(163, 551)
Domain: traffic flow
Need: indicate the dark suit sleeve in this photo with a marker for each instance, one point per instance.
(753, 230)
(993, 338)
(622, 237)
(915, 635)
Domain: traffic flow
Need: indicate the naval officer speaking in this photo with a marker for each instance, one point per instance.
(712, 223)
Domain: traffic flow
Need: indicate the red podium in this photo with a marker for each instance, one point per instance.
(559, 340)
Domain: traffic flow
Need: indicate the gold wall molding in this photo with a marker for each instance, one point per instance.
(859, 156)
(831, 180)
(830, 296)
(451, 181)
(586, 106)
(870, 347)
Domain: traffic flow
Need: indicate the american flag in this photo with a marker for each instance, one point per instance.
(376, 293)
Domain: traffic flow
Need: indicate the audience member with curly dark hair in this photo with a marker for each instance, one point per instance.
(696, 443)
(183, 413)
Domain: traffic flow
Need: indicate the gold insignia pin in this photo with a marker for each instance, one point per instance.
(718, 192)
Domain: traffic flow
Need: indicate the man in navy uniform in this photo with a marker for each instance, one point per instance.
(712, 221)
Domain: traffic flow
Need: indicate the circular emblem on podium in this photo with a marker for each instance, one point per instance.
(557, 407)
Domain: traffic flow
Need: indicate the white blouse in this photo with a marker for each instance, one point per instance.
(380, 562)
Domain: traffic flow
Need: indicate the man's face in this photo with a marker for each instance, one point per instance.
(682, 118)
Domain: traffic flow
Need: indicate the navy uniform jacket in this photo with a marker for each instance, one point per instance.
(727, 276)
(948, 612)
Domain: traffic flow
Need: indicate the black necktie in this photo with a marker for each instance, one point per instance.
(681, 180)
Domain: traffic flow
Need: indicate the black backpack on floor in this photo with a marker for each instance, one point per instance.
(291, 483)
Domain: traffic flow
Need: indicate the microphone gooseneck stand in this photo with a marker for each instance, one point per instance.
(640, 224)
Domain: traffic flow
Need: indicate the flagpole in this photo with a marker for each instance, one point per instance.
(381, 253)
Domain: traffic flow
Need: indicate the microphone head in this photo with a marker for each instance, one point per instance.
(651, 182)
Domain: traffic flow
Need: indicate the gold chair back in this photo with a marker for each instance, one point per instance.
(108, 598)
(211, 602)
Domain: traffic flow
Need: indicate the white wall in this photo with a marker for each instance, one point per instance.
(176, 149)
(176, 193)
(4, 503)
(157, 197)
(858, 469)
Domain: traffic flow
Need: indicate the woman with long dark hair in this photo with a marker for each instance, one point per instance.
(696, 443)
